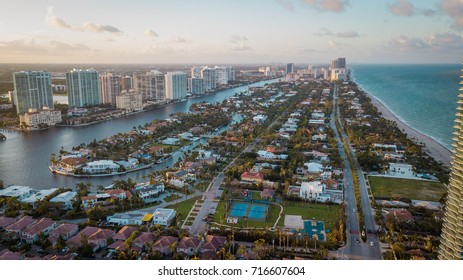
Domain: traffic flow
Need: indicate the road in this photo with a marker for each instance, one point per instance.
(355, 248)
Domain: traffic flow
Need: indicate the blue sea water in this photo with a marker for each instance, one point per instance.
(422, 96)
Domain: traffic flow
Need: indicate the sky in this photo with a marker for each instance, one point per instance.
(231, 31)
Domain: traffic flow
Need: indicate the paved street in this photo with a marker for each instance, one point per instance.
(355, 248)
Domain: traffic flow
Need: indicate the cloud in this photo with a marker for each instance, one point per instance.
(151, 33)
(235, 38)
(328, 5)
(28, 47)
(287, 4)
(334, 44)
(242, 47)
(324, 32)
(454, 9)
(55, 21)
(96, 28)
(177, 39)
(439, 41)
(346, 34)
(21, 46)
(402, 8)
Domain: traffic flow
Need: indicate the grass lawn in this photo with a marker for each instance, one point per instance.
(184, 207)
(406, 188)
(171, 197)
(330, 214)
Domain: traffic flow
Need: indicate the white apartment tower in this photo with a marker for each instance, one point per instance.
(83, 88)
(32, 89)
(210, 78)
(176, 83)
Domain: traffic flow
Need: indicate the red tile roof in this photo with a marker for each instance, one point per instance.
(188, 242)
(124, 233)
(8, 255)
(21, 223)
(6, 221)
(165, 241)
(252, 176)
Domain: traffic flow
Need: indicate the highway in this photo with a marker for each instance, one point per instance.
(355, 248)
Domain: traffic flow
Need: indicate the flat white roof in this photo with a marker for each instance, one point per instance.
(64, 197)
(15, 191)
(39, 196)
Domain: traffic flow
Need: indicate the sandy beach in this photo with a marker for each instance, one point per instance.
(432, 147)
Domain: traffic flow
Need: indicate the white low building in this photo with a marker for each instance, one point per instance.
(150, 191)
(20, 192)
(38, 196)
(128, 218)
(66, 198)
(401, 170)
(312, 190)
(34, 118)
(163, 216)
(101, 166)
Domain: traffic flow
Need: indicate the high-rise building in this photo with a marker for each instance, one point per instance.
(110, 88)
(32, 89)
(196, 71)
(126, 83)
(83, 88)
(231, 73)
(129, 100)
(196, 86)
(338, 63)
(210, 78)
(222, 75)
(150, 84)
(176, 83)
(289, 68)
(451, 246)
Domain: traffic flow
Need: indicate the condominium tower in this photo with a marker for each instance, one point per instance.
(176, 83)
(151, 85)
(451, 246)
(83, 88)
(32, 89)
(110, 88)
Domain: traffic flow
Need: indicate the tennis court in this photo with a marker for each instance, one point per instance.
(251, 211)
(239, 210)
(258, 212)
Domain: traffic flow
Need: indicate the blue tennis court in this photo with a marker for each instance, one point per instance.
(258, 212)
(239, 210)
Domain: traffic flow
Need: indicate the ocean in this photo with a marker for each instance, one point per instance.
(422, 96)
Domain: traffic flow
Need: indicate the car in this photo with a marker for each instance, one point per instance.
(372, 243)
(354, 210)
(357, 241)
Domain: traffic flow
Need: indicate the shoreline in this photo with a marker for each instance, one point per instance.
(432, 147)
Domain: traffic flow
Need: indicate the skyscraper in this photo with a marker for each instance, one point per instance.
(110, 88)
(32, 89)
(210, 78)
(196, 86)
(83, 88)
(289, 68)
(451, 246)
(150, 84)
(176, 83)
(338, 63)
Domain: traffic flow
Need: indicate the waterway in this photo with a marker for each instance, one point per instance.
(24, 157)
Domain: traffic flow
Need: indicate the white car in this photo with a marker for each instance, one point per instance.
(372, 243)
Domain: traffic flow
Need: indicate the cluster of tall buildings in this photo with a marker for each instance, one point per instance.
(338, 70)
(205, 79)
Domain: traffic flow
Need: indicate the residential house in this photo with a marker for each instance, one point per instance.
(191, 166)
(6, 221)
(313, 167)
(318, 155)
(252, 177)
(66, 198)
(148, 191)
(401, 215)
(267, 193)
(9, 255)
(19, 192)
(119, 194)
(127, 218)
(311, 190)
(163, 244)
(213, 243)
(180, 178)
(19, 225)
(65, 230)
(101, 166)
(124, 233)
(70, 164)
(163, 216)
(319, 137)
(145, 238)
(188, 245)
(30, 234)
(401, 170)
(96, 237)
(38, 196)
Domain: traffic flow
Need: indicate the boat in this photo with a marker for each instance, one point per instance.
(159, 161)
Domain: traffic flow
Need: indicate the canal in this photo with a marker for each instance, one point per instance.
(24, 157)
